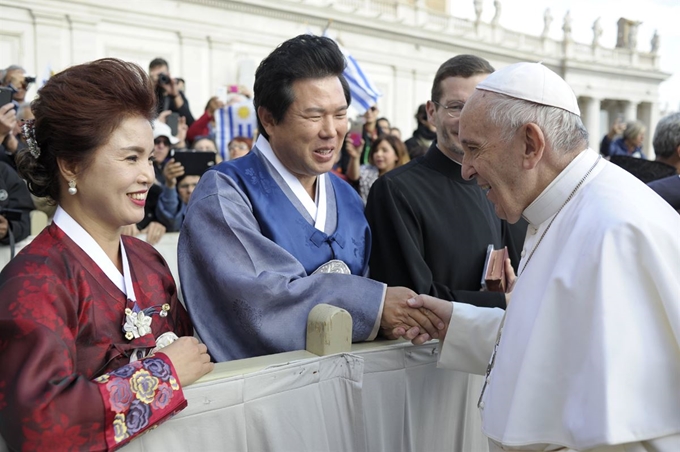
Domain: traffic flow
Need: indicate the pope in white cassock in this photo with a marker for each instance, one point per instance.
(588, 354)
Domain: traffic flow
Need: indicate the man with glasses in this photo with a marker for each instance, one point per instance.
(431, 228)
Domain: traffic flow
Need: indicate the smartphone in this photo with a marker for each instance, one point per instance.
(355, 133)
(233, 89)
(172, 121)
(195, 163)
(5, 95)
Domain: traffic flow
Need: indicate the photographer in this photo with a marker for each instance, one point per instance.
(15, 77)
(170, 97)
(14, 196)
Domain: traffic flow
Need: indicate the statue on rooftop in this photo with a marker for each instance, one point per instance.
(497, 14)
(547, 21)
(478, 10)
(566, 26)
(655, 42)
(597, 32)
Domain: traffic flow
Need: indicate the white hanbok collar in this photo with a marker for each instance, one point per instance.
(554, 195)
(317, 210)
(87, 243)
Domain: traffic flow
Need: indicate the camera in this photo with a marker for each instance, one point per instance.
(28, 80)
(5, 95)
(163, 79)
(11, 214)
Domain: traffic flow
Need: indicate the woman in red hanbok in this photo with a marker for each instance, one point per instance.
(89, 319)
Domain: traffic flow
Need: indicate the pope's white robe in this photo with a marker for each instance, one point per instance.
(589, 357)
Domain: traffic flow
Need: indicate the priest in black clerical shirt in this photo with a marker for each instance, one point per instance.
(431, 228)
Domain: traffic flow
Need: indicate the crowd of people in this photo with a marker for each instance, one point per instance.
(580, 352)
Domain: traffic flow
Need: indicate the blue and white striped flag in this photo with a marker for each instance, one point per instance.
(236, 120)
(364, 93)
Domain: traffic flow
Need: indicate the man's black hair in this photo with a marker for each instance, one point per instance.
(302, 57)
(158, 62)
(464, 66)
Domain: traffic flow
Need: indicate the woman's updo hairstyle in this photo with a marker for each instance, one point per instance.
(76, 112)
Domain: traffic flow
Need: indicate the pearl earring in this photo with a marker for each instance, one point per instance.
(72, 190)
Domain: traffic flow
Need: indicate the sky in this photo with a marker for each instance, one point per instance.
(662, 15)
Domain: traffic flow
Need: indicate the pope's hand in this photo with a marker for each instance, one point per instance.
(510, 279)
(441, 308)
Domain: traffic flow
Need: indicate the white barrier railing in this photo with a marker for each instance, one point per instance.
(383, 396)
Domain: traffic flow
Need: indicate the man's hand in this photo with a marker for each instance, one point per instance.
(154, 231)
(172, 170)
(399, 319)
(163, 116)
(617, 129)
(8, 120)
(171, 88)
(4, 227)
(440, 308)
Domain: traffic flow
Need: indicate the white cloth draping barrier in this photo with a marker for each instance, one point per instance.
(383, 396)
(410, 405)
(309, 405)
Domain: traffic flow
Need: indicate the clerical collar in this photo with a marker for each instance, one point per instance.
(554, 195)
(440, 162)
(88, 244)
(317, 210)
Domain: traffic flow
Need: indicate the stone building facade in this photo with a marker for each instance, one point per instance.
(212, 43)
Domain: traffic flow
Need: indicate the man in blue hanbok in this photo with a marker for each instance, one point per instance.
(270, 235)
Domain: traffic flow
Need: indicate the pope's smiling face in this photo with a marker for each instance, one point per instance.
(497, 165)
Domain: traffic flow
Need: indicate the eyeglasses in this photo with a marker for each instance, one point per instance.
(452, 110)
(162, 141)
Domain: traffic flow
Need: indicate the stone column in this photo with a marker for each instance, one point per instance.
(195, 66)
(83, 38)
(52, 41)
(402, 109)
(630, 110)
(591, 119)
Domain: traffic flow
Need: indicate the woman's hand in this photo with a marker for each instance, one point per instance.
(154, 231)
(130, 230)
(190, 359)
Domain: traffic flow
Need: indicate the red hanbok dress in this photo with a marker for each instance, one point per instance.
(66, 377)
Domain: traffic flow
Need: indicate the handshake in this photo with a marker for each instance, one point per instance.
(417, 318)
